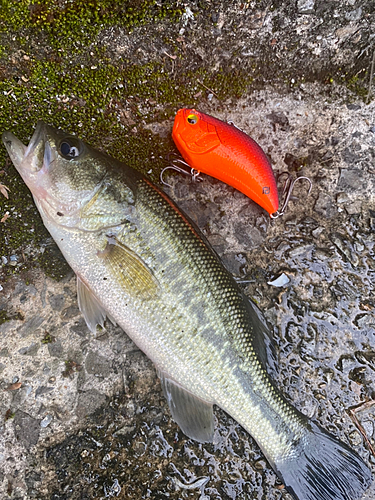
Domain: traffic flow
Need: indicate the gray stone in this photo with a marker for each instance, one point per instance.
(21, 395)
(89, 402)
(300, 250)
(345, 247)
(305, 6)
(26, 429)
(8, 326)
(354, 15)
(351, 180)
(80, 327)
(354, 208)
(31, 478)
(349, 157)
(30, 350)
(31, 325)
(342, 197)
(279, 119)
(325, 205)
(43, 390)
(248, 236)
(56, 349)
(57, 301)
(234, 263)
(46, 421)
(96, 364)
(71, 311)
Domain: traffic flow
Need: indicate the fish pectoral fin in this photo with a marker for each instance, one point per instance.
(114, 323)
(194, 415)
(129, 270)
(89, 306)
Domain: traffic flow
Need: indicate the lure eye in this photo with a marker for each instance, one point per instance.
(70, 148)
(192, 119)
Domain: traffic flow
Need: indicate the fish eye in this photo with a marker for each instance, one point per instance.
(70, 148)
(192, 119)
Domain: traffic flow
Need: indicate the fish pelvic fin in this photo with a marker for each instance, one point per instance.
(324, 469)
(89, 306)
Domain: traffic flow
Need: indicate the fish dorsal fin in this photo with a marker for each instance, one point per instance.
(89, 306)
(192, 414)
(129, 270)
(262, 341)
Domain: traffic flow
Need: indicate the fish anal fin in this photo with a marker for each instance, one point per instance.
(89, 306)
(129, 270)
(192, 414)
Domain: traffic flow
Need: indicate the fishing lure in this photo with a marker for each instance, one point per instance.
(225, 152)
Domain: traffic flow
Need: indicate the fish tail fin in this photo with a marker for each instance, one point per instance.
(324, 468)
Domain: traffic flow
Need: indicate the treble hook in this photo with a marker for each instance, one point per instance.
(287, 191)
(174, 166)
(234, 125)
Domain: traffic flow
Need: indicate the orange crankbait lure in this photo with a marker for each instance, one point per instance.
(223, 151)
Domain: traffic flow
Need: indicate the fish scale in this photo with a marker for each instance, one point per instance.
(140, 261)
(230, 313)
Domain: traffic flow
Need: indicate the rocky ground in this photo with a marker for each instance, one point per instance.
(83, 416)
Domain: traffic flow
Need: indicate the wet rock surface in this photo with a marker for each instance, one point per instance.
(89, 410)
(82, 415)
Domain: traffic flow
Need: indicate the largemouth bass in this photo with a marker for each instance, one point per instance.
(142, 263)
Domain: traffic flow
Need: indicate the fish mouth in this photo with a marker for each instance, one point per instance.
(38, 138)
(15, 148)
(27, 159)
(32, 159)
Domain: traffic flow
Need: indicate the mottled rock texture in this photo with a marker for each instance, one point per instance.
(83, 416)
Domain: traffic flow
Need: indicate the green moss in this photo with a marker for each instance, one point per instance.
(52, 262)
(4, 317)
(78, 22)
(359, 84)
(9, 414)
(70, 368)
(14, 14)
(48, 338)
